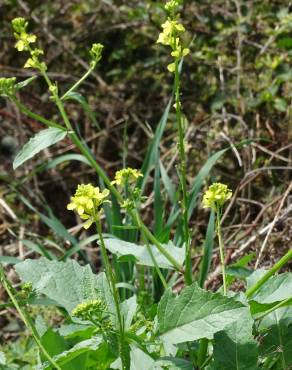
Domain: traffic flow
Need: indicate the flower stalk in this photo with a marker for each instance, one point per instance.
(25, 318)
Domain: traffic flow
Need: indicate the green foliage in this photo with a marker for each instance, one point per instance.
(148, 310)
(39, 142)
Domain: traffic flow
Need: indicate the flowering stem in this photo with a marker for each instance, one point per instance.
(74, 87)
(25, 318)
(87, 154)
(111, 279)
(221, 249)
(183, 180)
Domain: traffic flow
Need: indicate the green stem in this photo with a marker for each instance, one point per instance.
(202, 354)
(111, 279)
(35, 116)
(279, 305)
(74, 87)
(183, 178)
(25, 318)
(277, 266)
(159, 273)
(84, 150)
(221, 249)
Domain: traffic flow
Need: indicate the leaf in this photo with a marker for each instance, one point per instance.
(203, 173)
(277, 337)
(6, 260)
(234, 347)
(91, 344)
(2, 358)
(152, 155)
(195, 314)
(22, 84)
(140, 252)
(67, 283)
(37, 143)
(158, 203)
(140, 358)
(169, 186)
(173, 363)
(128, 309)
(277, 288)
(208, 250)
(83, 102)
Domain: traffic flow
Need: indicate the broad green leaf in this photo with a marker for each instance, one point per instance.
(91, 344)
(76, 330)
(9, 260)
(195, 314)
(277, 288)
(234, 347)
(140, 359)
(67, 283)
(276, 341)
(53, 343)
(37, 143)
(140, 252)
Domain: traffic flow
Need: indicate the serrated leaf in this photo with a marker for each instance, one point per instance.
(140, 252)
(91, 344)
(277, 337)
(195, 314)
(67, 283)
(235, 348)
(37, 143)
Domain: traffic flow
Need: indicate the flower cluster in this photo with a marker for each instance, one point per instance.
(216, 196)
(95, 53)
(7, 86)
(23, 38)
(24, 41)
(94, 310)
(171, 34)
(87, 201)
(126, 176)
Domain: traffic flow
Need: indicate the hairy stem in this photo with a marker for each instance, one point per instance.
(111, 279)
(25, 318)
(221, 250)
(183, 178)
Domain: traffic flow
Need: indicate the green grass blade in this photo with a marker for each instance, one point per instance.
(208, 250)
(152, 155)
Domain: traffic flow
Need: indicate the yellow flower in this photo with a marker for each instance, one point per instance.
(170, 30)
(126, 175)
(87, 202)
(95, 53)
(216, 196)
